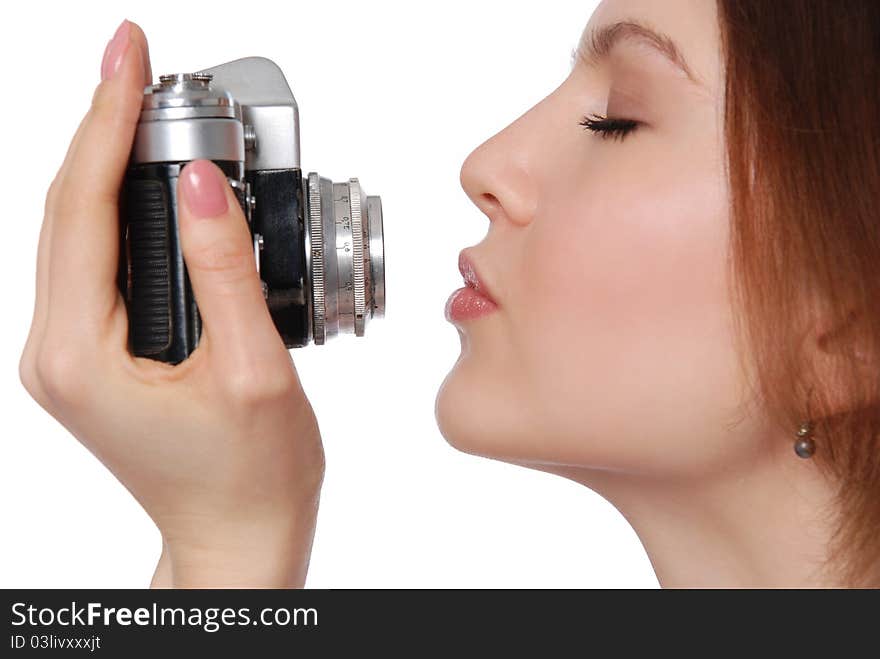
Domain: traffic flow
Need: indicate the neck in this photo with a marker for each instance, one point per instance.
(766, 524)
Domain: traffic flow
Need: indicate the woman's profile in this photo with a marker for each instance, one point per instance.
(674, 305)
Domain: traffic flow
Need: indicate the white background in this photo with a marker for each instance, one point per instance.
(396, 93)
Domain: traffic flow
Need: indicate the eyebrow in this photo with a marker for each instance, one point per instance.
(596, 45)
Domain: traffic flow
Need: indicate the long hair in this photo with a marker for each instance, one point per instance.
(802, 127)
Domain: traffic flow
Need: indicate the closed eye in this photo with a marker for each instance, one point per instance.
(609, 127)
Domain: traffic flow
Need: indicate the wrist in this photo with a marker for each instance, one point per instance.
(253, 552)
(162, 575)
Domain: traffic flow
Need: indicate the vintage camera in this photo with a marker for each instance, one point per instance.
(318, 244)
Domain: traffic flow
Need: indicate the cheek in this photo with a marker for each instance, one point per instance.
(624, 327)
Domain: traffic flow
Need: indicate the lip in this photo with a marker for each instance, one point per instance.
(473, 300)
(471, 275)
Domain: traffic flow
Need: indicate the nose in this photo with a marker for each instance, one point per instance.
(497, 179)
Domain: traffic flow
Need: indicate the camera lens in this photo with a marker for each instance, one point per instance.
(345, 257)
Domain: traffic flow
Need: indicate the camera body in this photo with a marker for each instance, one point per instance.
(318, 245)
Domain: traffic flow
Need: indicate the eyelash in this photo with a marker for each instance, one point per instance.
(609, 126)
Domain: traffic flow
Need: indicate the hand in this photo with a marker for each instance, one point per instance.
(223, 450)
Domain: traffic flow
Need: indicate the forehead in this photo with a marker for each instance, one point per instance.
(691, 24)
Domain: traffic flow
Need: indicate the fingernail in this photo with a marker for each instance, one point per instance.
(115, 50)
(203, 189)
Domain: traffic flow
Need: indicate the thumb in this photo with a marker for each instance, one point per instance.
(219, 256)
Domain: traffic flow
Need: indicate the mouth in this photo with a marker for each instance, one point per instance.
(473, 300)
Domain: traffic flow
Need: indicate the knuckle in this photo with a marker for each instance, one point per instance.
(132, 99)
(222, 256)
(61, 375)
(27, 373)
(110, 104)
(60, 198)
(251, 387)
(62, 202)
(101, 102)
(52, 195)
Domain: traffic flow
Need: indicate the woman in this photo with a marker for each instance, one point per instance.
(673, 305)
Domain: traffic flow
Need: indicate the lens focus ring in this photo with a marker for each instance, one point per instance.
(316, 240)
(345, 251)
(357, 265)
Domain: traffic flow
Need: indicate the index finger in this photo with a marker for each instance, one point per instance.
(85, 234)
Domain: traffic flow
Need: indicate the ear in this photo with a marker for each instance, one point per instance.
(842, 351)
(833, 337)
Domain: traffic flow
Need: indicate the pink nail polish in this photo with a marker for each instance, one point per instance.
(115, 50)
(204, 191)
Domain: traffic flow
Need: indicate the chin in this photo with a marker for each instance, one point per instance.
(479, 414)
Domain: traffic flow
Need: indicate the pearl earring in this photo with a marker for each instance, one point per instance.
(805, 446)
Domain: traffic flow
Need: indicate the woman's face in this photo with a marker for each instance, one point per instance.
(612, 343)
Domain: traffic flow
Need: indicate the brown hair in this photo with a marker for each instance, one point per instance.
(802, 126)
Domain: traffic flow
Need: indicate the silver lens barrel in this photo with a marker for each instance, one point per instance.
(345, 257)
